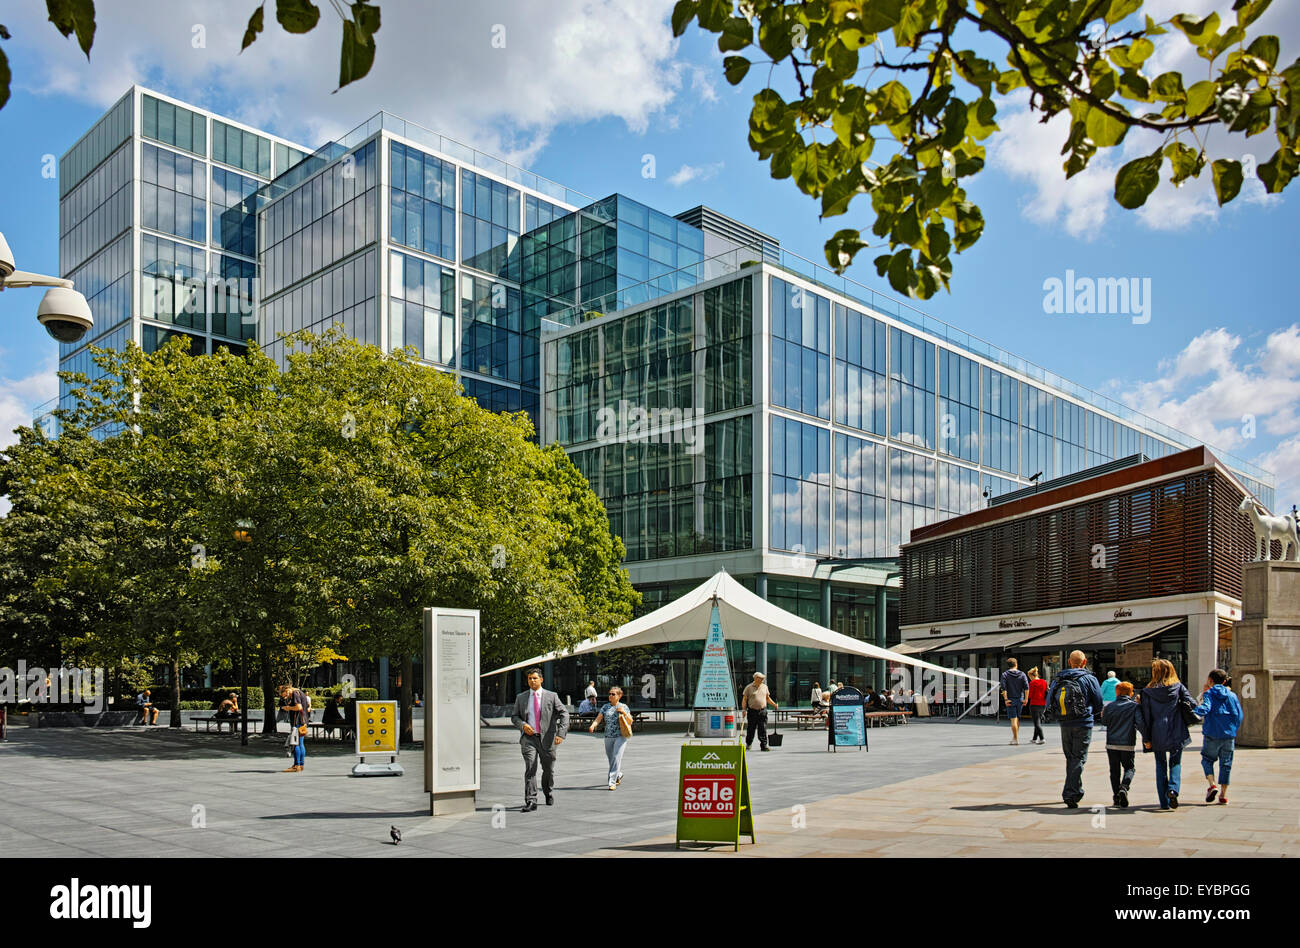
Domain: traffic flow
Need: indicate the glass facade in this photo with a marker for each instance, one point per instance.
(490, 337)
(96, 211)
(911, 389)
(801, 487)
(173, 282)
(241, 149)
(861, 519)
(422, 202)
(860, 360)
(173, 125)
(421, 307)
(97, 144)
(959, 406)
(173, 193)
(801, 349)
(234, 214)
(489, 225)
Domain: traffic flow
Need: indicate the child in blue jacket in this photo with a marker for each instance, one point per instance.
(1222, 713)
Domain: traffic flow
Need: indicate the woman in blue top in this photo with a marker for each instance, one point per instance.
(1222, 713)
(615, 742)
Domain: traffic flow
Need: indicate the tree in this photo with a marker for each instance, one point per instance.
(1088, 57)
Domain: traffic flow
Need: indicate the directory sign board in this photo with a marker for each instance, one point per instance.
(716, 722)
(848, 719)
(713, 795)
(451, 708)
(715, 688)
(377, 728)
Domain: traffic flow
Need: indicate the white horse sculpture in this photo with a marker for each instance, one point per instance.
(1268, 529)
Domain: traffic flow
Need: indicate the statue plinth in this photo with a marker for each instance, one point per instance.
(1266, 655)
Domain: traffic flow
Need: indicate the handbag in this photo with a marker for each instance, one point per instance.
(1187, 709)
(624, 723)
(302, 730)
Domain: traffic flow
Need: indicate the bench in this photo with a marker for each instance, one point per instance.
(878, 718)
(209, 721)
(319, 728)
(808, 720)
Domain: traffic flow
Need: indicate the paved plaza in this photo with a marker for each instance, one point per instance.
(925, 789)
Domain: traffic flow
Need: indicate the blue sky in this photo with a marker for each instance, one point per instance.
(582, 91)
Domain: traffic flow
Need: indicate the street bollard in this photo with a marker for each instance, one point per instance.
(2, 724)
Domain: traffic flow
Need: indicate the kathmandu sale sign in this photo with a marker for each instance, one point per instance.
(713, 795)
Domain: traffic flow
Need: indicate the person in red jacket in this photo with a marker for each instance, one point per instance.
(1037, 703)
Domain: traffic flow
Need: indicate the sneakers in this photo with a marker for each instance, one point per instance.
(1211, 793)
(1223, 800)
(613, 786)
(1072, 804)
(1173, 799)
(1014, 743)
(1121, 799)
(619, 780)
(763, 748)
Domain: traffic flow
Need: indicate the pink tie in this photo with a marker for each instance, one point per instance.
(537, 712)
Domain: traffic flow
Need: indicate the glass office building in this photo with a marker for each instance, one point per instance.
(734, 405)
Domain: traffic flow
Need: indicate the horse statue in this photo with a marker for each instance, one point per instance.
(1268, 529)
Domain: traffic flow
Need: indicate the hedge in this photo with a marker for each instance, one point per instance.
(200, 699)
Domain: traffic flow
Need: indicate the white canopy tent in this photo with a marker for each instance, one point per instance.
(745, 617)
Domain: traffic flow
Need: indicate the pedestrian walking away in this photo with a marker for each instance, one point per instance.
(294, 702)
(1074, 699)
(1222, 713)
(543, 722)
(1120, 720)
(617, 720)
(1108, 687)
(755, 700)
(1164, 729)
(1014, 686)
(1037, 704)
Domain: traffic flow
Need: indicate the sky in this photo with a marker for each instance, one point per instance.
(598, 95)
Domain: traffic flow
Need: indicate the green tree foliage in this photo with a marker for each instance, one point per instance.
(905, 126)
(295, 514)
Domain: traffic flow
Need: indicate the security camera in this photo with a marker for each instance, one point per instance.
(7, 265)
(65, 314)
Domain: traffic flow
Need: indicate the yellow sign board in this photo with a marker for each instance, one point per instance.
(377, 728)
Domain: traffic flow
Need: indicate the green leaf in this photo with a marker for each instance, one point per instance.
(736, 34)
(1186, 162)
(357, 54)
(297, 16)
(1168, 87)
(842, 248)
(735, 68)
(840, 190)
(1120, 9)
(1248, 11)
(74, 16)
(1200, 97)
(841, 60)
(366, 17)
(5, 77)
(1136, 180)
(1227, 179)
(1198, 32)
(1266, 48)
(1104, 129)
(683, 13)
(1133, 85)
(881, 15)
(255, 23)
(900, 271)
(713, 14)
(1278, 171)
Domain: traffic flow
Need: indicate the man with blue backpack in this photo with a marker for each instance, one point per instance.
(1074, 699)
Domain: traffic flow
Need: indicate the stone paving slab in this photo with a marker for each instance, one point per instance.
(924, 789)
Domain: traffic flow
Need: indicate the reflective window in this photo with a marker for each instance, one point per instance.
(234, 217)
(489, 225)
(1037, 428)
(1000, 419)
(801, 346)
(105, 281)
(231, 298)
(173, 193)
(539, 213)
(173, 282)
(959, 406)
(342, 296)
(489, 320)
(912, 492)
(860, 353)
(911, 389)
(113, 128)
(861, 527)
(801, 487)
(247, 151)
(286, 157)
(96, 211)
(422, 202)
(173, 125)
(1071, 438)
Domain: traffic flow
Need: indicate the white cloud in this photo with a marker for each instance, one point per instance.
(19, 396)
(562, 61)
(688, 173)
(1231, 396)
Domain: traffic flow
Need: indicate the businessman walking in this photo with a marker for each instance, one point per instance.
(544, 722)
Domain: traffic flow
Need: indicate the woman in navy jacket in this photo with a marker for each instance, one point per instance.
(1164, 733)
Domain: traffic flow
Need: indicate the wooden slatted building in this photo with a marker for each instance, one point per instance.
(1141, 559)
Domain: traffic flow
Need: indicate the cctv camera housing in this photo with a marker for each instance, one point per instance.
(65, 314)
(7, 265)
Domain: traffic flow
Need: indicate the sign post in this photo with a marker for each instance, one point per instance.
(715, 696)
(451, 709)
(377, 734)
(713, 795)
(848, 720)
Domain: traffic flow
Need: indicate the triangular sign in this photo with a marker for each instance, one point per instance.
(715, 689)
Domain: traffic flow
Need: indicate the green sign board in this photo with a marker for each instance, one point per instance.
(713, 795)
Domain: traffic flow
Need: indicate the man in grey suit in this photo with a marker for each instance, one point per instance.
(544, 722)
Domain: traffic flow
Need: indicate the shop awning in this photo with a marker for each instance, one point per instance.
(993, 641)
(745, 617)
(1106, 634)
(920, 646)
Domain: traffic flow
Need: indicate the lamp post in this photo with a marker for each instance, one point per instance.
(63, 312)
(243, 534)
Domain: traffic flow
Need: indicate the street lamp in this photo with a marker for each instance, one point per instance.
(63, 312)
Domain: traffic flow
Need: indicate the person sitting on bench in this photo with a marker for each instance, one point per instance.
(144, 702)
(335, 715)
(228, 711)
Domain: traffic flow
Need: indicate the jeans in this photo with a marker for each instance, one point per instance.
(1220, 749)
(300, 751)
(1120, 761)
(614, 747)
(757, 720)
(1169, 771)
(1037, 711)
(1074, 742)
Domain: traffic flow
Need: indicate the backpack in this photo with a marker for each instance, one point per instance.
(1071, 701)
